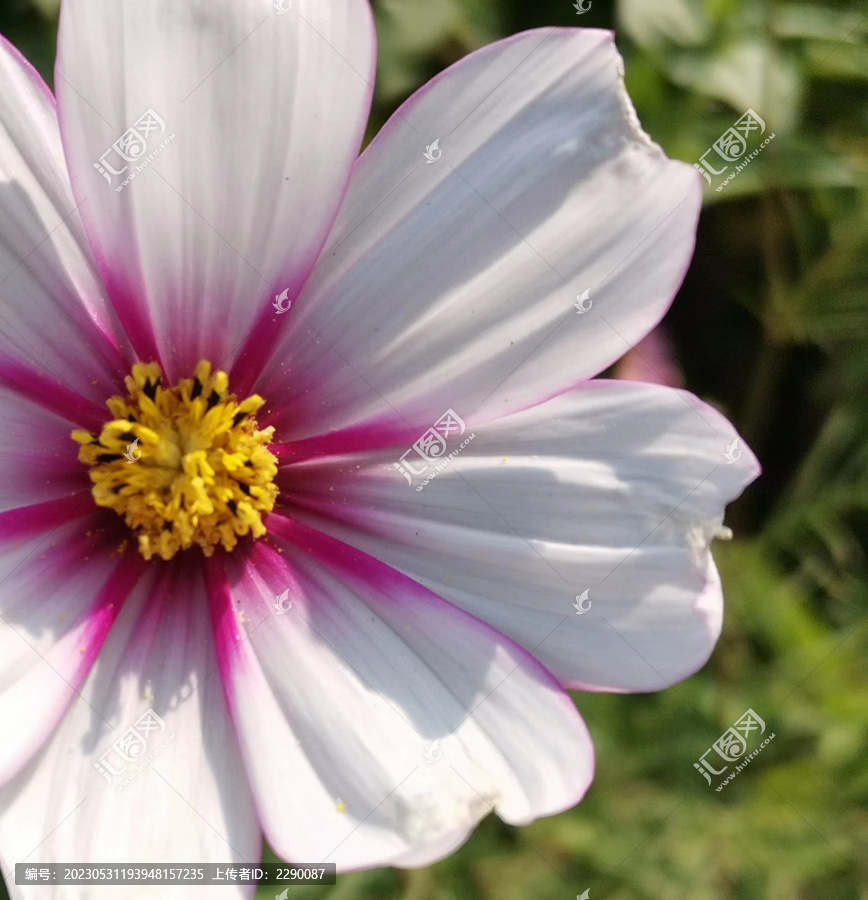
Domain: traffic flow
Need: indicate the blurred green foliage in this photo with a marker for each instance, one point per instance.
(771, 326)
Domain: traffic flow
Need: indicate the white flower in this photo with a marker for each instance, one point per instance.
(415, 289)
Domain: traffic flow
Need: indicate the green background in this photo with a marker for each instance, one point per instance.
(770, 326)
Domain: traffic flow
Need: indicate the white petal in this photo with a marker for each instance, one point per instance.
(337, 699)
(55, 614)
(453, 283)
(184, 799)
(54, 316)
(259, 117)
(616, 487)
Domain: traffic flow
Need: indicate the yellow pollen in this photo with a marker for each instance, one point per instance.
(184, 465)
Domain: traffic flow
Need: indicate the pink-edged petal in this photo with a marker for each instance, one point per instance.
(617, 488)
(38, 457)
(182, 796)
(254, 119)
(61, 588)
(54, 320)
(337, 700)
(453, 283)
(22, 385)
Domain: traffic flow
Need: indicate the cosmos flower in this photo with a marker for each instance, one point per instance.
(232, 604)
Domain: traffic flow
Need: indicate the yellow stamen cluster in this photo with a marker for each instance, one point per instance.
(184, 465)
